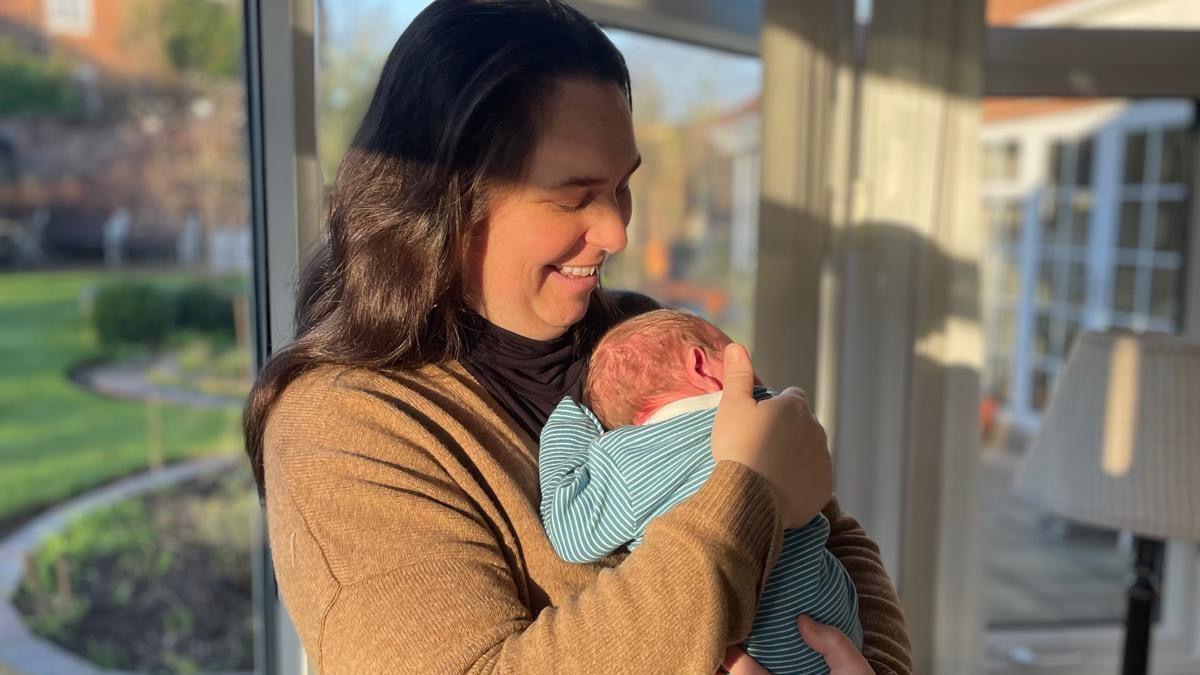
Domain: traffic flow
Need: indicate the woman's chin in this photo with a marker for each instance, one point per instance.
(567, 312)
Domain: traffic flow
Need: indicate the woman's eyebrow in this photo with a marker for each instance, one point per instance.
(591, 181)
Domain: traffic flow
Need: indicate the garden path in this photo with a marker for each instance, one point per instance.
(132, 380)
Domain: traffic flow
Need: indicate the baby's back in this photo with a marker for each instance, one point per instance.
(601, 489)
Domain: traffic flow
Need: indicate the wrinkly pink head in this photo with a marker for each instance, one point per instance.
(651, 360)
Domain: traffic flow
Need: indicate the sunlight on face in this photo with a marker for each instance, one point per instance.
(538, 258)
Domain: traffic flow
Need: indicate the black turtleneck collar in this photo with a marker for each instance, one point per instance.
(529, 377)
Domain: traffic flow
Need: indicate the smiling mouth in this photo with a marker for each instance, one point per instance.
(576, 271)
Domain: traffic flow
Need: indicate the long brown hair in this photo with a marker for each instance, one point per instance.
(455, 110)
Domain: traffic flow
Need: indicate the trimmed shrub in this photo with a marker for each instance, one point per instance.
(205, 309)
(138, 313)
(132, 313)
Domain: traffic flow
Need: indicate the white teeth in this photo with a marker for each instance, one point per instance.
(572, 271)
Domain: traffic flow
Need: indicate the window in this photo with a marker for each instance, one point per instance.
(69, 16)
(1150, 232)
(1000, 162)
(125, 347)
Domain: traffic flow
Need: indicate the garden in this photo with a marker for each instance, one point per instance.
(159, 582)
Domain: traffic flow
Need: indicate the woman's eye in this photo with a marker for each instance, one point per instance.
(579, 205)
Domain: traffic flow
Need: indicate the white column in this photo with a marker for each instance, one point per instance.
(912, 341)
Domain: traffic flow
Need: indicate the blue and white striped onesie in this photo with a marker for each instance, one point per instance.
(600, 489)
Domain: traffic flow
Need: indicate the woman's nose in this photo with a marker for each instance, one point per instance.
(608, 231)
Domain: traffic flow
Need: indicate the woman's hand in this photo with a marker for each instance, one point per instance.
(842, 657)
(779, 438)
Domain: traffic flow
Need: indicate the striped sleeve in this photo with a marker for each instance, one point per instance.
(585, 506)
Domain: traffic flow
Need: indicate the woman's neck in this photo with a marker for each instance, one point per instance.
(523, 329)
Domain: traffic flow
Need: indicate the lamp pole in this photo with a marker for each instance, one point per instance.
(1143, 594)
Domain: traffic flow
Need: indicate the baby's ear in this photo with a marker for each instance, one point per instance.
(703, 371)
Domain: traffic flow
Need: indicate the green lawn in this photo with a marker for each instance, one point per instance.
(56, 439)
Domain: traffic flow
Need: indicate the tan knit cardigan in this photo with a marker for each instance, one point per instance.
(403, 519)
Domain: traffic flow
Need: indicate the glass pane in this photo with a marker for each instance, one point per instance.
(1070, 332)
(1012, 277)
(1004, 220)
(1176, 156)
(1055, 168)
(997, 376)
(1080, 216)
(1050, 219)
(1123, 292)
(1045, 287)
(1008, 326)
(1014, 218)
(1076, 283)
(1129, 229)
(124, 335)
(1083, 164)
(1041, 389)
(1135, 158)
(1165, 292)
(693, 237)
(1041, 335)
(1169, 229)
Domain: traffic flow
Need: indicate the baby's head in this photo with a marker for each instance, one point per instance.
(651, 360)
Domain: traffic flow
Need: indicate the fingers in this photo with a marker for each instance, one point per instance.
(738, 662)
(840, 654)
(739, 373)
(796, 392)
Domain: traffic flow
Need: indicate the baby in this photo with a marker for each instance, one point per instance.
(654, 381)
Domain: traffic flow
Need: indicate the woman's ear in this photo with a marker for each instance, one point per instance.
(703, 371)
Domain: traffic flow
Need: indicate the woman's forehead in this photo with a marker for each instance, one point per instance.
(586, 134)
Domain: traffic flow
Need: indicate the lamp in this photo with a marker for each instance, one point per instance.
(1119, 447)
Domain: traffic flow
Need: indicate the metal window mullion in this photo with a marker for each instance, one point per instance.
(285, 193)
(1021, 370)
(1104, 223)
(1148, 215)
(263, 586)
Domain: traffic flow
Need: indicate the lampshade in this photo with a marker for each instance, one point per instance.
(1119, 444)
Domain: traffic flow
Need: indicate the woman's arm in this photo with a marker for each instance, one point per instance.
(387, 563)
(885, 638)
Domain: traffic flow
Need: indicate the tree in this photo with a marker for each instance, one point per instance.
(202, 36)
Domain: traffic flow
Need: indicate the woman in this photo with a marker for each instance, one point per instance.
(453, 303)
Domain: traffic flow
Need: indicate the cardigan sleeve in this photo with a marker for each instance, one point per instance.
(885, 638)
(386, 564)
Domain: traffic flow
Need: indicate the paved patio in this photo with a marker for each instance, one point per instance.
(1040, 570)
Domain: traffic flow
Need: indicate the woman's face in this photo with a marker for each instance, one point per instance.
(539, 254)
